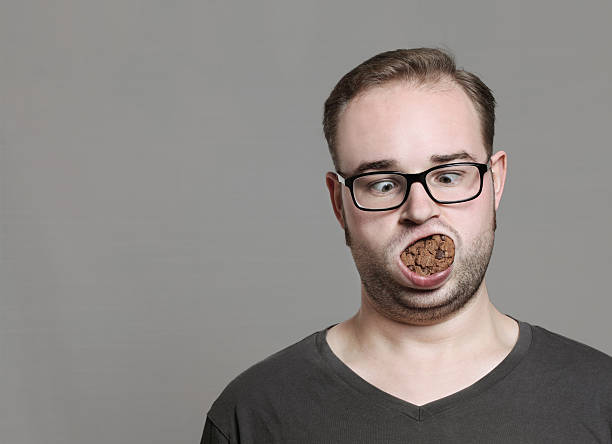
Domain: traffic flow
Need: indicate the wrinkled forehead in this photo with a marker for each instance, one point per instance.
(410, 125)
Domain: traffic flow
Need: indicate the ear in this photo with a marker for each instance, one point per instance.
(499, 162)
(335, 194)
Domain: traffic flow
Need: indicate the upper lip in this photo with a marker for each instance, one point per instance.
(422, 235)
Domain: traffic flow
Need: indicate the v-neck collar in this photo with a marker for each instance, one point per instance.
(422, 412)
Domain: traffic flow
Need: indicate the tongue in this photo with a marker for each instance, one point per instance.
(429, 255)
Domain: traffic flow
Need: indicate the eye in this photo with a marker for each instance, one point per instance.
(383, 186)
(449, 178)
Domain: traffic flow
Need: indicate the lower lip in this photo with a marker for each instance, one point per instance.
(431, 281)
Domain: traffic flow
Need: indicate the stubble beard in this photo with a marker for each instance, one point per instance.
(423, 307)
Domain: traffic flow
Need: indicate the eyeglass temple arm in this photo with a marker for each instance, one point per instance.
(340, 178)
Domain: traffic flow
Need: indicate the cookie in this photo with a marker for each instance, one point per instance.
(429, 255)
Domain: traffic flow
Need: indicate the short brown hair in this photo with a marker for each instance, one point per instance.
(421, 66)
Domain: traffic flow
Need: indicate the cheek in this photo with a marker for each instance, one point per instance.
(475, 214)
(470, 219)
(371, 227)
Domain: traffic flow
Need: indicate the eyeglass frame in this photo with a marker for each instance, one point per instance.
(412, 178)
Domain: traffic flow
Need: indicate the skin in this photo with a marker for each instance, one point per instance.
(418, 344)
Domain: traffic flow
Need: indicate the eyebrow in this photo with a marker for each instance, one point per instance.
(383, 164)
(443, 158)
(386, 164)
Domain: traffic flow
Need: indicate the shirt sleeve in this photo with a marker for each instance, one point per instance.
(212, 435)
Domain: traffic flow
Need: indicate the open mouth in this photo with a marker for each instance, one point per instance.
(429, 255)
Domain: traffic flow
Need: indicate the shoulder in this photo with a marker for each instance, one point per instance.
(283, 365)
(265, 386)
(554, 355)
(565, 350)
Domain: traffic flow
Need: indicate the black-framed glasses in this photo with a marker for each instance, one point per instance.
(445, 184)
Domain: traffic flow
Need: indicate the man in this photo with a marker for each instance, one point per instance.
(427, 358)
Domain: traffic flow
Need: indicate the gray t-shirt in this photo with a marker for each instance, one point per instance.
(549, 389)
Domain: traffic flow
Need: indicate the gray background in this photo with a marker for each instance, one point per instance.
(164, 220)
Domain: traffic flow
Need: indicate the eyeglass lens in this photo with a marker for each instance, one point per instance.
(454, 183)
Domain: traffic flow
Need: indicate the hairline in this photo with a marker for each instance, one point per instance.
(440, 83)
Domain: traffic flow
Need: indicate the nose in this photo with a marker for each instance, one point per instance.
(419, 207)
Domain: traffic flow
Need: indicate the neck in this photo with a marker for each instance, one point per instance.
(477, 328)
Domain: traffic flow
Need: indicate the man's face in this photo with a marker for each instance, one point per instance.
(408, 125)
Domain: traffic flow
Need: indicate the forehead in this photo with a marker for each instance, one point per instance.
(409, 124)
